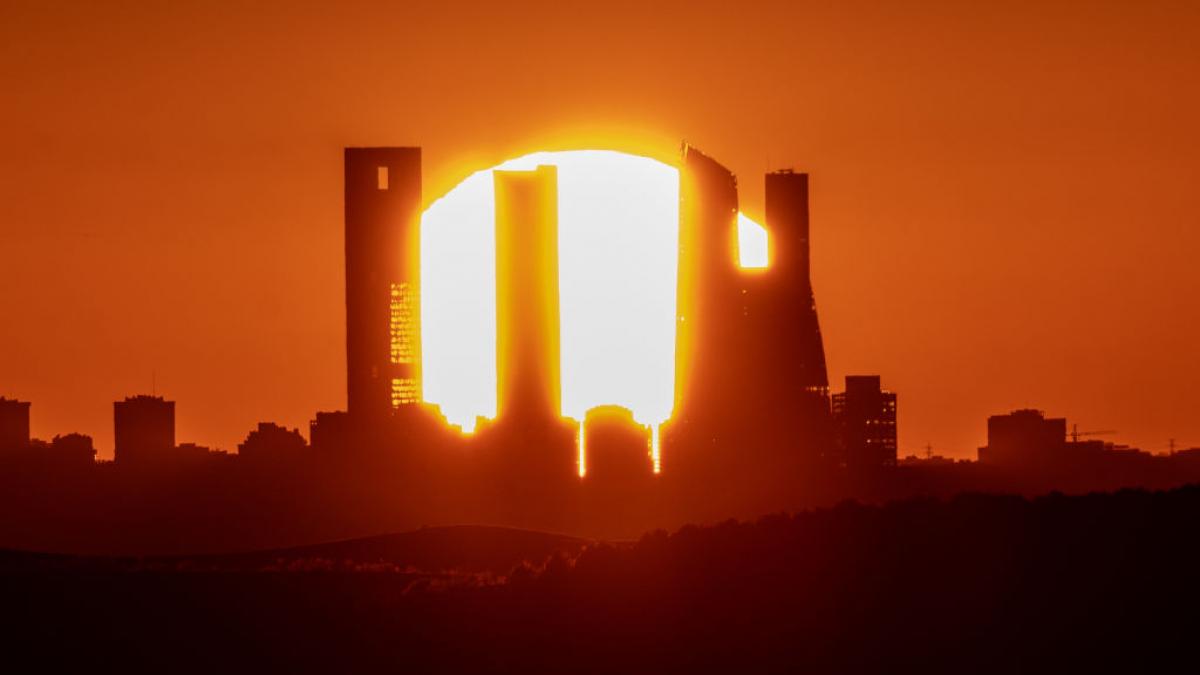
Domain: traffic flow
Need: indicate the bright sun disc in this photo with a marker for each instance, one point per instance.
(618, 220)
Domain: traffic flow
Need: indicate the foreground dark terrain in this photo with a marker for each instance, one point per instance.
(973, 584)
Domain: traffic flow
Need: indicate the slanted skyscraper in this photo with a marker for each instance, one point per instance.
(383, 226)
(797, 333)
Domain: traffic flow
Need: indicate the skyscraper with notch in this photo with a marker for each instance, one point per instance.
(382, 235)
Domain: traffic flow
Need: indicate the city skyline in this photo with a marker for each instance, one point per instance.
(532, 336)
(1018, 217)
(747, 366)
(389, 235)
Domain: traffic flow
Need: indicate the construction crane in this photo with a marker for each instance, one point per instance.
(1076, 433)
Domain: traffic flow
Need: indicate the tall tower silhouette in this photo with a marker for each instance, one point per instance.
(528, 369)
(750, 360)
(707, 285)
(383, 225)
(779, 339)
(787, 223)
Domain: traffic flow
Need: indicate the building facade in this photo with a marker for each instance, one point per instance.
(382, 236)
(865, 419)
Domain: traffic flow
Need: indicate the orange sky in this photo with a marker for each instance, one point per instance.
(1005, 197)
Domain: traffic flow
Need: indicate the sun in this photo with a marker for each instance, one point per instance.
(618, 238)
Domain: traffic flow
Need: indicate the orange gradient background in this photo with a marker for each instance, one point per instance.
(1004, 195)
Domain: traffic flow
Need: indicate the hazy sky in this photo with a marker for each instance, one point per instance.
(1004, 195)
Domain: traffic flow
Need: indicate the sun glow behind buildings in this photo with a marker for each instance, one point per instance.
(618, 220)
(752, 243)
(618, 252)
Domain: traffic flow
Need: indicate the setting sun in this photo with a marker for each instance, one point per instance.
(618, 227)
(618, 241)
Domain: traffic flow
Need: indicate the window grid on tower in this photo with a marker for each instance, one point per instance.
(404, 391)
(403, 323)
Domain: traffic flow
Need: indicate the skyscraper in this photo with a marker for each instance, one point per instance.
(144, 429)
(383, 226)
(528, 369)
(705, 378)
(751, 362)
(797, 332)
(14, 424)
